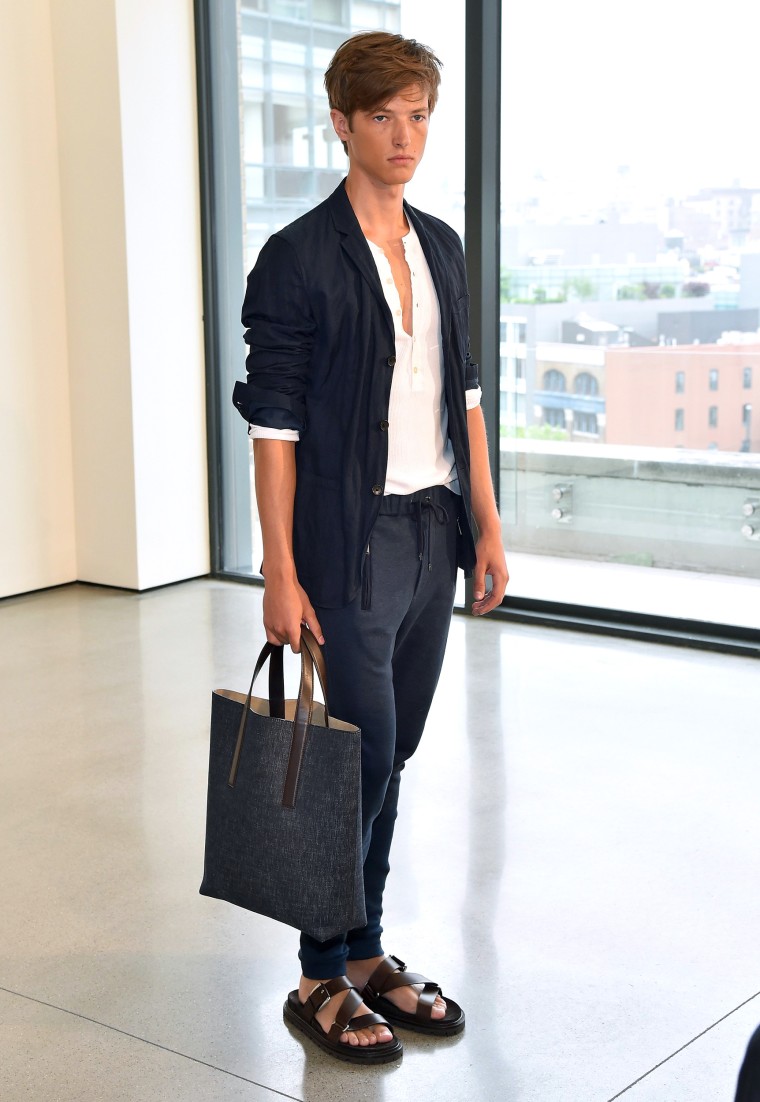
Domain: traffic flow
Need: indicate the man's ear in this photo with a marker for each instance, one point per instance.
(340, 124)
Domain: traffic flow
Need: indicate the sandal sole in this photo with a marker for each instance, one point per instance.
(387, 1052)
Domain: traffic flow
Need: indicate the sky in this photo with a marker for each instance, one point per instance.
(666, 88)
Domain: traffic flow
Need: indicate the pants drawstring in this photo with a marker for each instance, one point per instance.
(433, 510)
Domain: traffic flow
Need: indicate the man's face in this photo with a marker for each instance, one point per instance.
(386, 145)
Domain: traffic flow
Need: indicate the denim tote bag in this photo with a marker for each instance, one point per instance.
(283, 818)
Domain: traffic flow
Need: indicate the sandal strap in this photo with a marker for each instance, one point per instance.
(322, 994)
(345, 1021)
(388, 967)
(361, 1021)
(426, 1001)
(391, 973)
(346, 1011)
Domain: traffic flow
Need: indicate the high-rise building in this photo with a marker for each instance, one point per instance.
(291, 156)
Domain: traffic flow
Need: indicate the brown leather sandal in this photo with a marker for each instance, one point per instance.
(303, 1017)
(391, 974)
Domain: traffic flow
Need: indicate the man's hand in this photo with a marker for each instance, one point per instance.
(286, 607)
(489, 550)
(490, 560)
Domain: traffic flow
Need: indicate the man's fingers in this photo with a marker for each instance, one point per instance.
(312, 623)
(479, 582)
(500, 578)
(485, 601)
(282, 636)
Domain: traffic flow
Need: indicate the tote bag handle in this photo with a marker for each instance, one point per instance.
(311, 656)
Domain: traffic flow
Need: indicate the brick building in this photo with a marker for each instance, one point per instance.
(696, 396)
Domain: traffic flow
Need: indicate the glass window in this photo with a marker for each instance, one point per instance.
(289, 9)
(328, 11)
(586, 423)
(585, 383)
(626, 274)
(554, 380)
(555, 418)
(640, 273)
(253, 131)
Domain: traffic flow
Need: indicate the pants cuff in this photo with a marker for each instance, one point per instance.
(322, 960)
(365, 949)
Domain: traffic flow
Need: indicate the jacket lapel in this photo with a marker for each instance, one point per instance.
(356, 248)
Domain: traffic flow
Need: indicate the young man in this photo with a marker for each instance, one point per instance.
(371, 463)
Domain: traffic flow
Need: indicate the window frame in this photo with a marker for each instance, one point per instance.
(483, 257)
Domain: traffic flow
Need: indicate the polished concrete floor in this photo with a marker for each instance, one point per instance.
(576, 862)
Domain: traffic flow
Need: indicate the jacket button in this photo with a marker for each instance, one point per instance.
(384, 426)
(391, 361)
(377, 490)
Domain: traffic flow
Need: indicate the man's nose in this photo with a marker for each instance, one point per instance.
(401, 134)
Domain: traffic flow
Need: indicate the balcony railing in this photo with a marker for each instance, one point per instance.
(690, 510)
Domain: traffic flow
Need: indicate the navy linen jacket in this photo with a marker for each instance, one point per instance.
(322, 352)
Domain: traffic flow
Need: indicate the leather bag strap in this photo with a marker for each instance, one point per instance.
(311, 656)
(318, 659)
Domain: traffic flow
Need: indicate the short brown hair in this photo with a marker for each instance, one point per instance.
(371, 68)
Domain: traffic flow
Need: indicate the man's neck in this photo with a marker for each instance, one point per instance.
(379, 210)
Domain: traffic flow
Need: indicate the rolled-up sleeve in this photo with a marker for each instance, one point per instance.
(471, 375)
(263, 432)
(279, 333)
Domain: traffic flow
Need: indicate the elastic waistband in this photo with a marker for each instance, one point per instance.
(397, 505)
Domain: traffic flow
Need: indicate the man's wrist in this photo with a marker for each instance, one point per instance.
(489, 528)
(280, 571)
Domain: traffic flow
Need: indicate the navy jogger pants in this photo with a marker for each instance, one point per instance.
(384, 653)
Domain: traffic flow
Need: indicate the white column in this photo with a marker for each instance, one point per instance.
(125, 89)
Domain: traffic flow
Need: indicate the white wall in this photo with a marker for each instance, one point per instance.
(37, 535)
(118, 284)
(159, 143)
